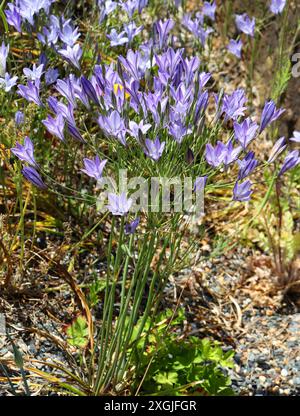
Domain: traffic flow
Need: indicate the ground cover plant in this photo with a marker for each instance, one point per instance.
(141, 142)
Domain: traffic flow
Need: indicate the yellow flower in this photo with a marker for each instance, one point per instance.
(119, 87)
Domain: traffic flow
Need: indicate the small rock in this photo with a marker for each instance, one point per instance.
(262, 379)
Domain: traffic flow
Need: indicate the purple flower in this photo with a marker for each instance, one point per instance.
(234, 105)
(277, 6)
(66, 89)
(242, 191)
(135, 129)
(141, 5)
(113, 125)
(74, 132)
(200, 183)
(25, 152)
(190, 67)
(195, 26)
(163, 29)
(247, 166)
(230, 154)
(117, 39)
(106, 7)
(178, 130)
(72, 54)
(30, 8)
(89, 90)
(51, 76)
(245, 24)
(154, 149)
(49, 36)
(235, 47)
(30, 92)
(245, 131)
(94, 167)
(277, 149)
(55, 126)
(291, 160)
(201, 105)
(296, 137)
(269, 114)
(131, 227)
(130, 7)
(19, 118)
(13, 17)
(8, 82)
(35, 73)
(119, 204)
(204, 77)
(68, 35)
(33, 176)
(131, 30)
(215, 155)
(209, 9)
(134, 64)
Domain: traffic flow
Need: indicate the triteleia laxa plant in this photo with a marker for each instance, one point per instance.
(135, 108)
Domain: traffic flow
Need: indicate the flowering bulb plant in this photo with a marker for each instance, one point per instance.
(154, 112)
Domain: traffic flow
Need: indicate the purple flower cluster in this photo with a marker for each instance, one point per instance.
(153, 97)
(25, 154)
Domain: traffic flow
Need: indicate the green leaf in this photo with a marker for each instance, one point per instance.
(78, 332)
(166, 378)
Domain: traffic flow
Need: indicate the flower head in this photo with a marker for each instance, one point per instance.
(33, 176)
(277, 149)
(200, 183)
(292, 160)
(131, 227)
(247, 166)
(113, 125)
(13, 17)
(25, 152)
(154, 149)
(245, 132)
(55, 126)
(163, 29)
(277, 6)
(30, 92)
(19, 118)
(137, 129)
(94, 167)
(51, 76)
(235, 47)
(230, 154)
(209, 9)
(8, 82)
(242, 191)
(215, 155)
(72, 54)
(269, 114)
(117, 39)
(68, 34)
(118, 204)
(234, 105)
(245, 24)
(35, 73)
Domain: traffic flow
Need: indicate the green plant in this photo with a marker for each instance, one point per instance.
(176, 365)
(275, 230)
